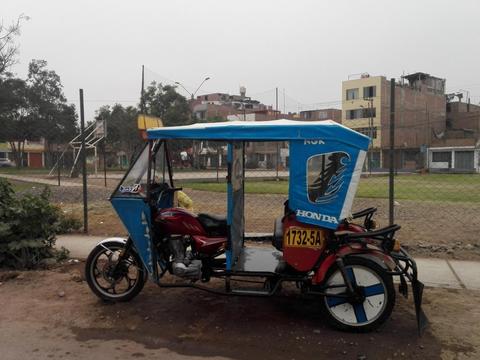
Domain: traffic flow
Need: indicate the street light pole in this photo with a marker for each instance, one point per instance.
(370, 125)
(369, 108)
(199, 86)
(192, 95)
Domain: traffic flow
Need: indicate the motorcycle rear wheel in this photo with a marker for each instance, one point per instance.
(374, 285)
(121, 284)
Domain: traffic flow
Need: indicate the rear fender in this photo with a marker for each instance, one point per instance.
(375, 255)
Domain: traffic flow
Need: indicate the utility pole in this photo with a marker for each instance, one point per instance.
(84, 165)
(276, 117)
(276, 103)
(392, 151)
(142, 92)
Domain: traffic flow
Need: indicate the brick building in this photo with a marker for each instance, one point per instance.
(217, 106)
(321, 114)
(420, 108)
(33, 153)
(457, 149)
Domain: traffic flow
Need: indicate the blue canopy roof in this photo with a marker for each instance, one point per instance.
(275, 130)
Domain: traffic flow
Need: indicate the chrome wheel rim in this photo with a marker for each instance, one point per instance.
(120, 284)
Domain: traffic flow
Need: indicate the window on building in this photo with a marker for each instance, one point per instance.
(352, 94)
(3, 155)
(322, 115)
(200, 115)
(369, 91)
(307, 115)
(354, 114)
(370, 132)
(442, 156)
(369, 112)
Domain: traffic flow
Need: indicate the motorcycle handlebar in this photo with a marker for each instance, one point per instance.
(173, 189)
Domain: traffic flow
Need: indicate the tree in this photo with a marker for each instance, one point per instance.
(164, 101)
(8, 48)
(54, 118)
(33, 109)
(16, 125)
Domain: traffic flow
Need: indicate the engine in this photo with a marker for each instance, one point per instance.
(183, 262)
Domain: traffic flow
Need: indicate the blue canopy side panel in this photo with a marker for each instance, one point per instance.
(323, 180)
(235, 213)
(135, 215)
(228, 252)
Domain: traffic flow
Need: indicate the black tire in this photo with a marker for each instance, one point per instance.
(93, 274)
(375, 284)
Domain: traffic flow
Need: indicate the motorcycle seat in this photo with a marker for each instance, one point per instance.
(213, 224)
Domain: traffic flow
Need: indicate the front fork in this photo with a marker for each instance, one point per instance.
(122, 255)
(354, 295)
(346, 278)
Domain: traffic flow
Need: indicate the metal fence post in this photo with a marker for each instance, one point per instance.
(218, 159)
(392, 152)
(104, 161)
(58, 165)
(84, 164)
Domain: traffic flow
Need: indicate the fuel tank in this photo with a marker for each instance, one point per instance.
(178, 221)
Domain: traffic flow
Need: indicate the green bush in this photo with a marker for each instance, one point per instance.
(28, 226)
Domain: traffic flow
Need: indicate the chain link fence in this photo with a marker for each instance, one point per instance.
(439, 212)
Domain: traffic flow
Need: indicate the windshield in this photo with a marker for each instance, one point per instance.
(134, 183)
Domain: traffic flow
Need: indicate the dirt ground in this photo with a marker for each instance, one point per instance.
(52, 314)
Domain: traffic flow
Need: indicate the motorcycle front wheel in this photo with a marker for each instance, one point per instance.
(375, 301)
(112, 279)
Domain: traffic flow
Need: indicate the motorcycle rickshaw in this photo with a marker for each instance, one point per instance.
(316, 244)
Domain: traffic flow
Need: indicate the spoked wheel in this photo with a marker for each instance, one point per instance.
(373, 301)
(111, 279)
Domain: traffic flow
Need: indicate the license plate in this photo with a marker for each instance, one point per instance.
(303, 237)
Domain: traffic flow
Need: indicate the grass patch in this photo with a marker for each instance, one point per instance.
(19, 186)
(436, 187)
(23, 171)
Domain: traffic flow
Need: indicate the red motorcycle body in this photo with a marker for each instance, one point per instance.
(302, 257)
(178, 221)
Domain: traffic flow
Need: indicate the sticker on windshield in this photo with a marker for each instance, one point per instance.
(325, 176)
(130, 189)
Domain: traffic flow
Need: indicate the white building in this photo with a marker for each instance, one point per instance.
(454, 159)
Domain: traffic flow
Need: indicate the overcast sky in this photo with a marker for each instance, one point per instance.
(304, 47)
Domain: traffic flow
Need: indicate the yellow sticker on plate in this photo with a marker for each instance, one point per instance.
(303, 237)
